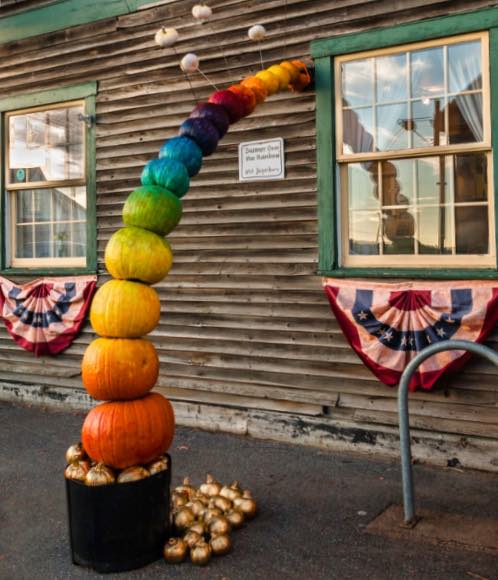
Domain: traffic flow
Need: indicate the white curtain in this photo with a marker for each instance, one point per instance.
(464, 65)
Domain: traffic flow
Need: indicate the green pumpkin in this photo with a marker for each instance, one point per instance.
(136, 254)
(153, 208)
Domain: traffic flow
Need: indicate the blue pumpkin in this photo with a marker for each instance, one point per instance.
(203, 132)
(168, 173)
(185, 151)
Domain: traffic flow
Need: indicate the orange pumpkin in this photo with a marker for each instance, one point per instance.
(136, 254)
(119, 368)
(125, 433)
(304, 77)
(124, 309)
(258, 87)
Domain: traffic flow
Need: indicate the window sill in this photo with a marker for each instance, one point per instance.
(47, 271)
(421, 273)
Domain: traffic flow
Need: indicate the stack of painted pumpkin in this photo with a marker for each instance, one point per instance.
(134, 426)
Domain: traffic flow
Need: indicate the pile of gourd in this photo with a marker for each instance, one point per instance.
(203, 519)
(81, 468)
(134, 426)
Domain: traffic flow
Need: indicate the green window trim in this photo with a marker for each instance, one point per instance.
(324, 51)
(86, 91)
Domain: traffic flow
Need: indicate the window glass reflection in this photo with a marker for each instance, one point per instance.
(392, 127)
(391, 73)
(362, 186)
(471, 177)
(358, 130)
(471, 225)
(364, 232)
(357, 82)
(46, 145)
(427, 72)
(435, 230)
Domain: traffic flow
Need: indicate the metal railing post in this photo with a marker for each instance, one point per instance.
(404, 424)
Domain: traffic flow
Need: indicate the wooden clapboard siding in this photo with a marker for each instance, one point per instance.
(246, 341)
(8, 7)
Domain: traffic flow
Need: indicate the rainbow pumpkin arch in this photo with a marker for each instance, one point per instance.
(121, 367)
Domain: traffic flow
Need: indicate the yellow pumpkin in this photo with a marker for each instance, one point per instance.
(272, 83)
(124, 309)
(282, 75)
(136, 254)
(291, 69)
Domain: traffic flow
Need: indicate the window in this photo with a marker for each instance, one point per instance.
(414, 155)
(48, 204)
(405, 131)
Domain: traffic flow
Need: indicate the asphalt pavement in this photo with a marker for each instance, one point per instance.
(313, 508)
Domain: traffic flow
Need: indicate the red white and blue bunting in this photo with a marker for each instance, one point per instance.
(388, 324)
(46, 315)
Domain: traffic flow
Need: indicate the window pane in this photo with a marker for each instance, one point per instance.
(362, 186)
(24, 206)
(357, 130)
(24, 241)
(435, 230)
(397, 182)
(471, 224)
(43, 241)
(398, 229)
(392, 127)
(46, 145)
(59, 217)
(42, 205)
(464, 66)
(364, 232)
(427, 72)
(427, 126)
(465, 119)
(79, 240)
(471, 177)
(434, 180)
(62, 240)
(391, 77)
(357, 83)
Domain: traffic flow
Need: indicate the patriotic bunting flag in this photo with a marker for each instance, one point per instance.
(46, 315)
(388, 324)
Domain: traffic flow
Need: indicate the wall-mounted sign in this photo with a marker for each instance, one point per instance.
(262, 160)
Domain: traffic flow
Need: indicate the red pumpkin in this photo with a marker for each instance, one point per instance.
(247, 97)
(231, 102)
(125, 433)
(119, 368)
(124, 309)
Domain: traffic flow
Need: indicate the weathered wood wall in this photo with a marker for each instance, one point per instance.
(8, 7)
(247, 341)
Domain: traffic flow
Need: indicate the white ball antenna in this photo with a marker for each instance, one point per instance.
(166, 37)
(202, 12)
(189, 63)
(257, 32)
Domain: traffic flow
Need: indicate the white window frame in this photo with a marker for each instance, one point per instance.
(414, 260)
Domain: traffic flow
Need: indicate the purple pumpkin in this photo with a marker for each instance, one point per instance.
(230, 102)
(203, 132)
(214, 113)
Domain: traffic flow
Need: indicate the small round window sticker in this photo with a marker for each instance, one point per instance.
(20, 175)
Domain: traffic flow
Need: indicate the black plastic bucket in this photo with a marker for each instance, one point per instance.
(119, 527)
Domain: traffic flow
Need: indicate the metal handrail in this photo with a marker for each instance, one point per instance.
(404, 425)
